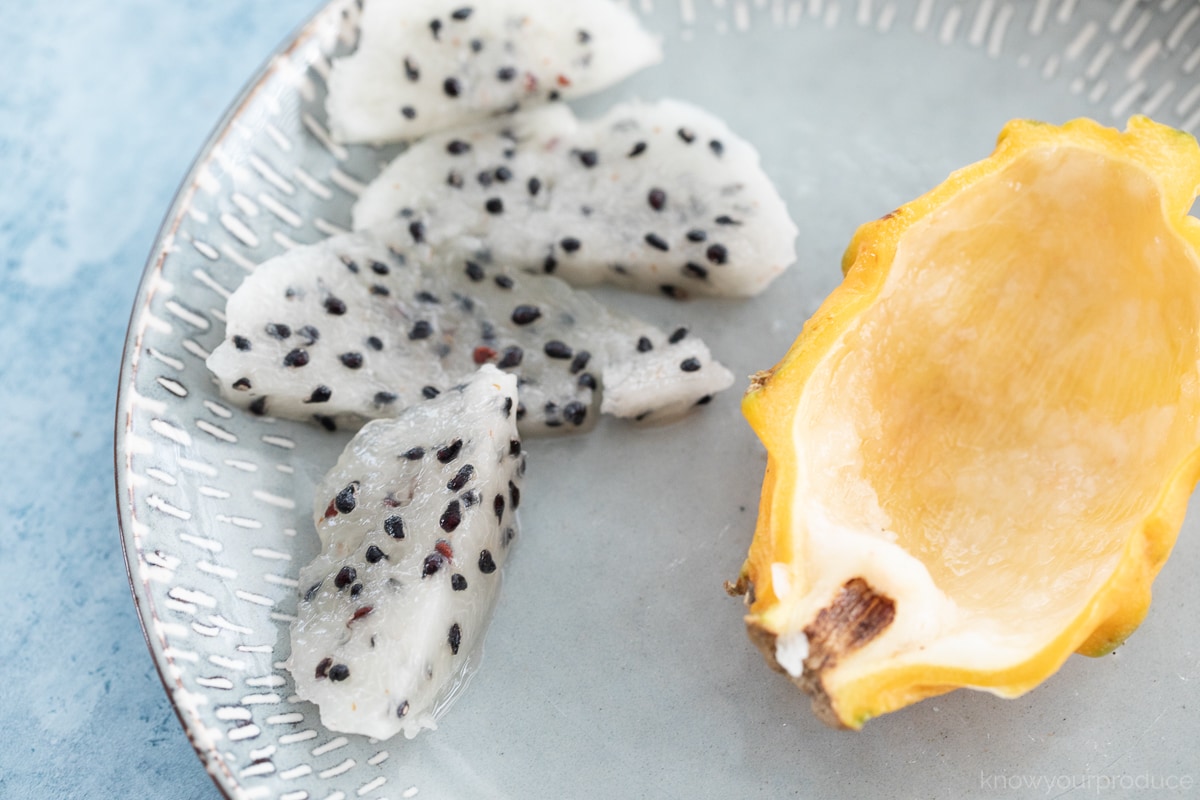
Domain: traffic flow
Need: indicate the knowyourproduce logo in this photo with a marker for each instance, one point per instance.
(1097, 783)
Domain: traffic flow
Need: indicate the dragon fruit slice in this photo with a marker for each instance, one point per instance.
(418, 522)
(424, 65)
(652, 196)
(361, 325)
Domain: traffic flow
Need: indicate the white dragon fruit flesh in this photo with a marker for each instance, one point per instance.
(361, 325)
(416, 520)
(424, 65)
(652, 196)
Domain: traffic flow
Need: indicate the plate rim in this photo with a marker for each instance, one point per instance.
(324, 14)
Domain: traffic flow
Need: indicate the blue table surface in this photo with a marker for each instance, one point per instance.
(102, 108)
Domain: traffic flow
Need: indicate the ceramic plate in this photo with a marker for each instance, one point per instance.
(616, 666)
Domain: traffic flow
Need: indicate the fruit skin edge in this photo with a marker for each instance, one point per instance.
(1115, 610)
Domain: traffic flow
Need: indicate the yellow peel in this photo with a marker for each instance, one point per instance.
(992, 425)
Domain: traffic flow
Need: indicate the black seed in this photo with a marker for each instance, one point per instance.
(375, 555)
(503, 174)
(451, 517)
(589, 158)
(504, 281)
(497, 506)
(296, 358)
(430, 392)
(514, 447)
(457, 147)
(427, 297)
(433, 562)
(411, 70)
(717, 254)
(514, 495)
(575, 412)
(657, 199)
(309, 334)
(556, 349)
(508, 407)
(462, 13)
(351, 360)
(484, 178)
(450, 451)
(587, 381)
(259, 406)
(637, 150)
(454, 179)
(695, 270)
(549, 265)
(312, 591)
(509, 535)
(328, 423)
(570, 244)
(339, 672)
(725, 219)
(335, 306)
(505, 74)
(451, 87)
(278, 330)
(415, 454)
(673, 292)
(716, 146)
(321, 394)
(686, 135)
(494, 205)
(345, 577)
(460, 480)
(323, 667)
(409, 112)
(580, 361)
(644, 345)
(524, 315)
(241, 343)
(417, 231)
(346, 500)
(436, 27)
(455, 638)
(402, 710)
(511, 358)
(476, 45)
(487, 564)
(356, 590)
(470, 498)
(350, 264)
(553, 96)
(703, 401)
(697, 235)
(657, 242)
(678, 335)
(393, 526)
(458, 582)
(690, 364)
(421, 329)
(534, 186)
(474, 271)
(583, 36)
(242, 384)
(520, 411)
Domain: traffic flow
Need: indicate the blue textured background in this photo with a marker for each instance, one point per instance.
(102, 107)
